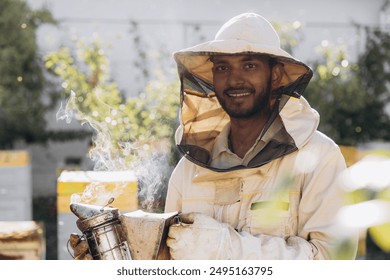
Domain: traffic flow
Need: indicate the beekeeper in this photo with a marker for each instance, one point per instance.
(257, 180)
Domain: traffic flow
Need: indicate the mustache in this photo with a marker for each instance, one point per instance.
(238, 89)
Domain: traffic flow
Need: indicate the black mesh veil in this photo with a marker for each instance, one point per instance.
(202, 117)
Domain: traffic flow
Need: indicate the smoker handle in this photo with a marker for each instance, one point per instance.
(67, 248)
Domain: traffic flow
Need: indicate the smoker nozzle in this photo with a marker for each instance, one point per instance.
(85, 211)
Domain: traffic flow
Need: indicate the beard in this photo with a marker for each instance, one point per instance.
(257, 103)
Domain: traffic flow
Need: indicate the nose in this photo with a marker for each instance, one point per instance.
(236, 77)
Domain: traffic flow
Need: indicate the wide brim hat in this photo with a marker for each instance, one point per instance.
(248, 33)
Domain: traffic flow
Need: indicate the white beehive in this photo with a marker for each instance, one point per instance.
(15, 186)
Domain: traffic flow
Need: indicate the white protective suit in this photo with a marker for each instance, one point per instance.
(280, 204)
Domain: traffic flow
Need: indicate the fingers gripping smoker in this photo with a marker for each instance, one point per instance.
(136, 235)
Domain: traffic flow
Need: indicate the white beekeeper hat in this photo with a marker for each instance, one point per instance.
(245, 33)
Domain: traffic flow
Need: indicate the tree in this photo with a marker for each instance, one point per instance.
(352, 97)
(124, 127)
(24, 99)
(374, 67)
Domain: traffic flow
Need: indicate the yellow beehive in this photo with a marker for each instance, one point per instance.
(14, 158)
(91, 187)
(351, 154)
(96, 188)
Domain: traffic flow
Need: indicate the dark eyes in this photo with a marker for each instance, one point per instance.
(250, 66)
(220, 68)
(223, 68)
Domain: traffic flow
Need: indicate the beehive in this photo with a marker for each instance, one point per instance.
(91, 187)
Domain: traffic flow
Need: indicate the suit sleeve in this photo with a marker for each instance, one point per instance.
(174, 196)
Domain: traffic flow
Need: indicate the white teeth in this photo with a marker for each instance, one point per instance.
(239, 94)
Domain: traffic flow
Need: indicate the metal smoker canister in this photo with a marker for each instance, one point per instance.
(103, 231)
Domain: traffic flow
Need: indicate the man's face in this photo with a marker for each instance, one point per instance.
(242, 84)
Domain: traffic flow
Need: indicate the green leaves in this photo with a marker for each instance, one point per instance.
(142, 121)
(351, 97)
(25, 95)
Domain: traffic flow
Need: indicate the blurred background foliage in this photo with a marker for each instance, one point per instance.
(352, 97)
(25, 93)
(143, 121)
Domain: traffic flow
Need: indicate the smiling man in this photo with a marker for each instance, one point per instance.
(257, 180)
(242, 84)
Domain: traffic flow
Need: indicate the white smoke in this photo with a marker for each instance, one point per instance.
(151, 169)
(67, 112)
(152, 174)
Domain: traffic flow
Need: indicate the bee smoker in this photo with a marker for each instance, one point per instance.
(103, 231)
(136, 235)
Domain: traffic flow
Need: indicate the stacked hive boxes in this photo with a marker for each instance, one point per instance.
(91, 187)
(22, 241)
(20, 238)
(15, 186)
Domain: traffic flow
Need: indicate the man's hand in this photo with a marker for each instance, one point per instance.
(198, 237)
(80, 247)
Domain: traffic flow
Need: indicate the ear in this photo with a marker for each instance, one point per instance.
(276, 75)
